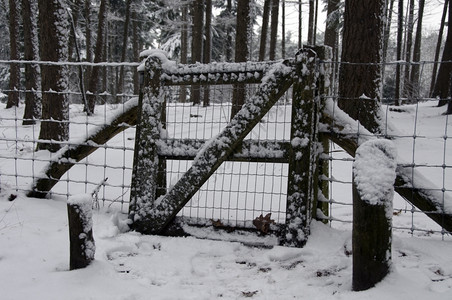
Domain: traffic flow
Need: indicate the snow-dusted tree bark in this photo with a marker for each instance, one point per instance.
(31, 52)
(332, 31)
(53, 36)
(445, 69)
(274, 28)
(241, 50)
(75, 6)
(93, 84)
(360, 71)
(14, 70)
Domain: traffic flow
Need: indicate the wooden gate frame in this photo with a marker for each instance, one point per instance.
(152, 210)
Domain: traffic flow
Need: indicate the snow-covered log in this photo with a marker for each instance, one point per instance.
(82, 246)
(373, 192)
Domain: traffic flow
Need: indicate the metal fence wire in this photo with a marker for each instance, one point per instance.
(239, 191)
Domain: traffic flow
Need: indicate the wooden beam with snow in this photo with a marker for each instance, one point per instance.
(424, 198)
(72, 154)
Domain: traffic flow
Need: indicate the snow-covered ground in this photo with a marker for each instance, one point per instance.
(34, 241)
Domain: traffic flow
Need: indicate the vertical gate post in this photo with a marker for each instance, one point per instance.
(303, 154)
(321, 172)
(146, 164)
(374, 173)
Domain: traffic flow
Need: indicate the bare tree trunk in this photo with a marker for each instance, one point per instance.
(31, 52)
(207, 47)
(89, 47)
(184, 49)
(311, 22)
(445, 68)
(229, 33)
(438, 47)
(414, 79)
(136, 50)
(124, 46)
(274, 29)
(72, 38)
(197, 43)
(300, 26)
(241, 51)
(409, 42)
(360, 73)
(14, 70)
(283, 29)
(387, 29)
(264, 30)
(98, 57)
(399, 52)
(53, 36)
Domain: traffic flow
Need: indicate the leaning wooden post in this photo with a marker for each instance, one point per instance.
(80, 215)
(374, 173)
(149, 127)
(303, 154)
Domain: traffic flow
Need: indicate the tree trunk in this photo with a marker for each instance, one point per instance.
(283, 29)
(360, 73)
(407, 88)
(31, 52)
(387, 29)
(53, 36)
(438, 47)
(399, 52)
(72, 38)
(274, 29)
(136, 50)
(14, 70)
(197, 43)
(184, 49)
(93, 84)
(124, 46)
(207, 47)
(241, 51)
(300, 26)
(445, 69)
(414, 79)
(89, 47)
(311, 22)
(264, 30)
(229, 33)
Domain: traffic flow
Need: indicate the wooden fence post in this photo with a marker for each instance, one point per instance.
(82, 246)
(374, 173)
(303, 154)
(146, 163)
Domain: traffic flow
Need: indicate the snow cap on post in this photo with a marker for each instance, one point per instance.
(374, 170)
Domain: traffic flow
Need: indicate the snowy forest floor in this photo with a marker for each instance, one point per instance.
(34, 250)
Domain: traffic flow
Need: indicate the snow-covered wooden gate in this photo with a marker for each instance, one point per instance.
(152, 209)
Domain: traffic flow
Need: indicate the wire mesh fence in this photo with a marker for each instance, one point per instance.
(239, 191)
